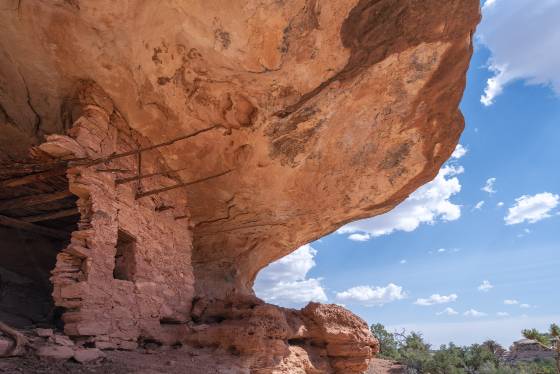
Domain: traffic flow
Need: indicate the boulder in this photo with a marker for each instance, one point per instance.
(56, 352)
(85, 355)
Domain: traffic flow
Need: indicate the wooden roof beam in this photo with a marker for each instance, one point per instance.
(45, 231)
(32, 178)
(51, 215)
(32, 200)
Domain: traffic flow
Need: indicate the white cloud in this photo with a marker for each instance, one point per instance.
(444, 250)
(359, 237)
(489, 186)
(448, 312)
(488, 3)
(485, 286)
(521, 53)
(525, 306)
(502, 314)
(532, 208)
(403, 261)
(436, 299)
(474, 313)
(373, 296)
(428, 204)
(500, 204)
(511, 302)
(284, 282)
(479, 205)
(459, 152)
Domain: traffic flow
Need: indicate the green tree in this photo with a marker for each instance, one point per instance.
(548, 341)
(448, 360)
(415, 353)
(387, 343)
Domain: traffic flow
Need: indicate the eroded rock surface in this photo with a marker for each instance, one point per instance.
(316, 112)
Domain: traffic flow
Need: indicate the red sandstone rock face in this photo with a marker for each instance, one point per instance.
(325, 111)
(329, 111)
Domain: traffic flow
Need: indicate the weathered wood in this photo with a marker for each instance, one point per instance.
(86, 162)
(178, 185)
(31, 200)
(113, 171)
(20, 341)
(32, 178)
(51, 215)
(18, 224)
(144, 176)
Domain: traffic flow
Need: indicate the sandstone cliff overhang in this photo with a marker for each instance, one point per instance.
(309, 114)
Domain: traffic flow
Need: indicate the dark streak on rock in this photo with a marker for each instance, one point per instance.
(376, 29)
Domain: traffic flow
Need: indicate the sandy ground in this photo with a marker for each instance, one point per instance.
(184, 360)
(173, 361)
(379, 366)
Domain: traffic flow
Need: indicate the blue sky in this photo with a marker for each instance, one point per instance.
(475, 253)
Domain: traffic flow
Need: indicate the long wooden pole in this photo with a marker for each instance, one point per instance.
(178, 185)
(86, 162)
(31, 200)
(144, 176)
(51, 215)
(18, 224)
(32, 178)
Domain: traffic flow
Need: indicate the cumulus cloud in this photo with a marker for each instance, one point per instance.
(459, 152)
(525, 306)
(500, 204)
(373, 296)
(533, 56)
(474, 313)
(359, 237)
(532, 208)
(428, 204)
(502, 314)
(448, 312)
(285, 282)
(489, 186)
(485, 286)
(436, 299)
(479, 205)
(444, 250)
(403, 261)
(511, 302)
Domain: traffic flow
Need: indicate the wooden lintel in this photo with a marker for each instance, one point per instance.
(18, 224)
(51, 215)
(32, 178)
(178, 185)
(32, 200)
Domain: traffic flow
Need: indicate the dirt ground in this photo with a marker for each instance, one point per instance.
(379, 366)
(182, 360)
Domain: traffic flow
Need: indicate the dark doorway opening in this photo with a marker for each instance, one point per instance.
(37, 217)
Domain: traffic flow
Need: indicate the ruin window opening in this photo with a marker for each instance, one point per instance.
(125, 257)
